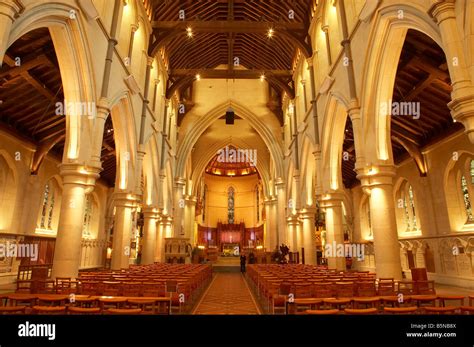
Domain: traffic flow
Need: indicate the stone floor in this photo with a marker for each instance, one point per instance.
(228, 293)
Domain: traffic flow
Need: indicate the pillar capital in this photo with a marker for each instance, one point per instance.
(11, 9)
(462, 110)
(293, 220)
(149, 61)
(279, 182)
(124, 199)
(371, 176)
(150, 212)
(134, 27)
(79, 174)
(179, 181)
(103, 108)
(307, 213)
(333, 199)
(442, 10)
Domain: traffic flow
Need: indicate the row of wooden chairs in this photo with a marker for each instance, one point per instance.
(27, 303)
(391, 310)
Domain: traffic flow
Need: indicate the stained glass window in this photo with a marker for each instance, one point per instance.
(44, 209)
(407, 215)
(230, 205)
(88, 209)
(50, 214)
(467, 200)
(412, 206)
(472, 171)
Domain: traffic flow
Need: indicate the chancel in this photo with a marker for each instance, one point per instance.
(237, 157)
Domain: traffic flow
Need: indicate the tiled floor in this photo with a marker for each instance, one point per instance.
(227, 294)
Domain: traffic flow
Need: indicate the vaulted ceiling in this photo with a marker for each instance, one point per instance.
(196, 36)
(30, 87)
(422, 77)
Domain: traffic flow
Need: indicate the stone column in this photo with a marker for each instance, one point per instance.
(159, 249)
(150, 215)
(179, 205)
(462, 104)
(292, 223)
(78, 181)
(281, 213)
(9, 10)
(274, 217)
(378, 182)
(125, 203)
(308, 234)
(268, 224)
(334, 229)
(189, 218)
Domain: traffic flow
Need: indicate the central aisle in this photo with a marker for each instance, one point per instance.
(228, 293)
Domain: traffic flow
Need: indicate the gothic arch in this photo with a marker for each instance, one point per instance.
(385, 45)
(200, 165)
(204, 122)
(75, 65)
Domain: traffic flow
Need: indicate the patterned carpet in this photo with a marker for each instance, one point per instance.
(227, 294)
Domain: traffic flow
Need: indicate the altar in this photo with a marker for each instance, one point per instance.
(230, 238)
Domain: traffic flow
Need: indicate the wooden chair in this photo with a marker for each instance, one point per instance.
(406, 287)
(22, 299)
(62, 283)
(443, 298)
(386, 287)
(467, 310)
(126, 311)
(115, 302)
(425, 288)
(84, 301)
(49, 310)
(441, 310)
(157, 289)
(23, 286)
(471, 300)
(131, 289)
(88, 287)
(148, 306)
(366, 288)
(400, 310)
(83, 310)
(45, 286)
(426, 300)
(322, 312)
(338, 303)
(111, 288)
(367, 302)
(322, 290)
(360, 311)
(52, 300)
(12, 309)
(344, 289)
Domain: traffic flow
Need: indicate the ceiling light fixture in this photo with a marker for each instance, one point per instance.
(189, 31)
(270, 33)
(198, 77)
(262, 78)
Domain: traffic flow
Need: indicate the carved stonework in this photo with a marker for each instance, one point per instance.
(176, 250)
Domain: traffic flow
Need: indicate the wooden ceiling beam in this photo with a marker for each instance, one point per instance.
(230, 74)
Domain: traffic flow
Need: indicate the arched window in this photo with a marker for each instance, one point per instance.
(412, 205)
(230, 205)
(467, 199)
(407, 208)
(257, 196)
(369, 221)
(471, 171)
(88, 211)
(47, 208)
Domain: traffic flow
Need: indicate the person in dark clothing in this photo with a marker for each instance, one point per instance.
(251, 258)
(243, 259)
